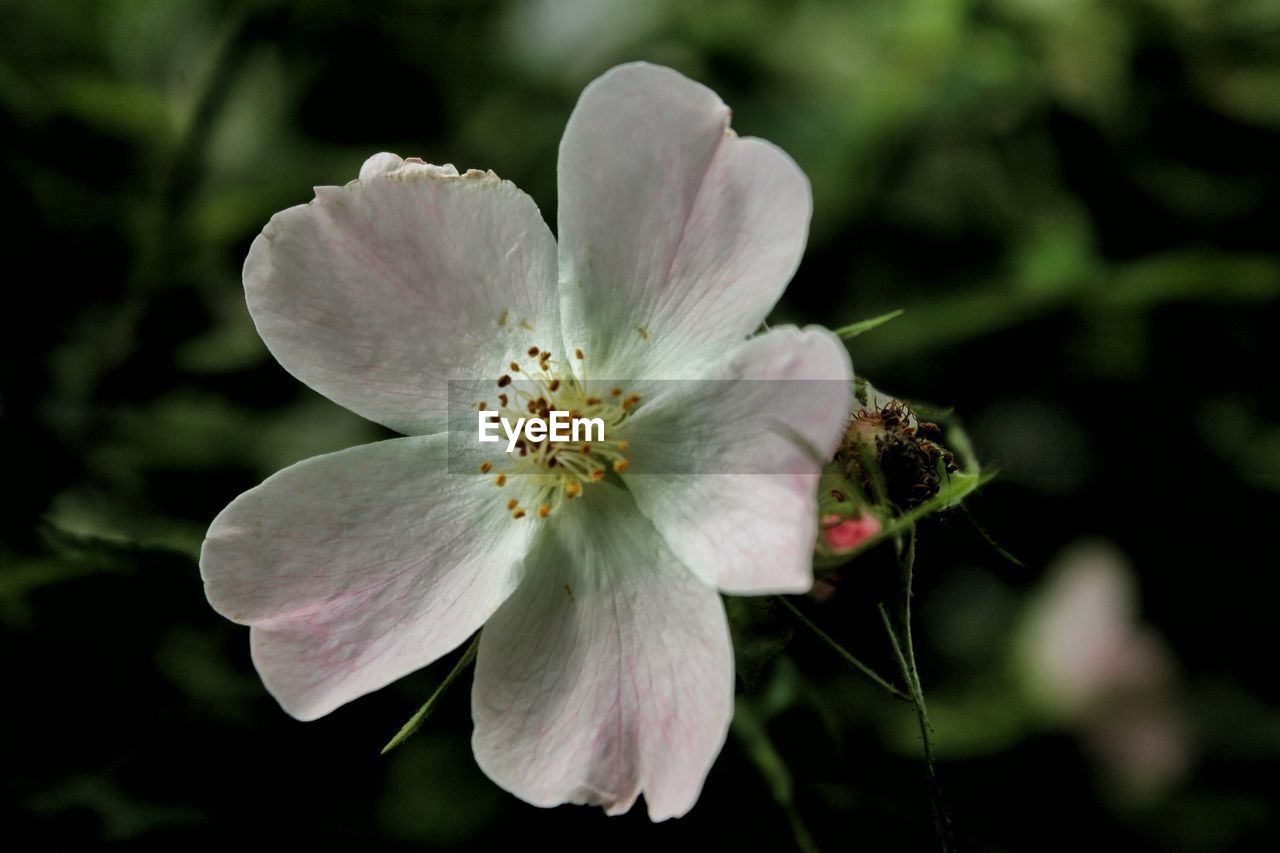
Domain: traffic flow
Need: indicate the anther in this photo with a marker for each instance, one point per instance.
(578, 354)
(500, 480)
(621, 465)
(504, 380)
(513, 503)
(615, 392)
(486, 467)
(553, 385)
(572, 489)
(515, 368)
(502, 398)
(597, 474)
(482, 405)
(533, 351)
(518, 514)
(544, 510)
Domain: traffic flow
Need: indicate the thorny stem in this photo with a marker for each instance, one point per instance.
(907, 562)
(910, 672)
(867, 672)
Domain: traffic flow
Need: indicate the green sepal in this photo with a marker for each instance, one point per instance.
(428, 706)
(854, 329)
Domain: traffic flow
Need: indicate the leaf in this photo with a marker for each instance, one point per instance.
(854, 329)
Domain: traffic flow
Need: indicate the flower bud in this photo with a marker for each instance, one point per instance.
(892, 455)
(844, 535)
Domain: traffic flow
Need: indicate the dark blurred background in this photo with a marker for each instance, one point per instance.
(1076, 202)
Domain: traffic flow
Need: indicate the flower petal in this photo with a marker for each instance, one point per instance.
(676, 237)
(608, 672)
(752, 445)
(359, 567)
(377, 293)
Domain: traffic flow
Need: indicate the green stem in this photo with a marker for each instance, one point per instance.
(867, 672)
(907, 562)
(910, 672)
(428, 706)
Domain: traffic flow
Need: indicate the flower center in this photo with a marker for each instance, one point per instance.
(551, 472)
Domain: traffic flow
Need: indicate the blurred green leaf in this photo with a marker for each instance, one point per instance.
(116, 107)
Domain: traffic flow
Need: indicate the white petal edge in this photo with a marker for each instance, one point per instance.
(359, 567)
(676, 236)
(753, 443)
(609, 672)
(377, 293)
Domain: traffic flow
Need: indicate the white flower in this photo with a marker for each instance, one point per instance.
(605, 666)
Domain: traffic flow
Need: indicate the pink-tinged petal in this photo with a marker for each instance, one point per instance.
(359, 567)
(377, 293)
(728, 469)
(608, 673)
(676, 236)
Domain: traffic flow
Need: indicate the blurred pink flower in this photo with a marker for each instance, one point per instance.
(605, 667)
(1093, 666)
